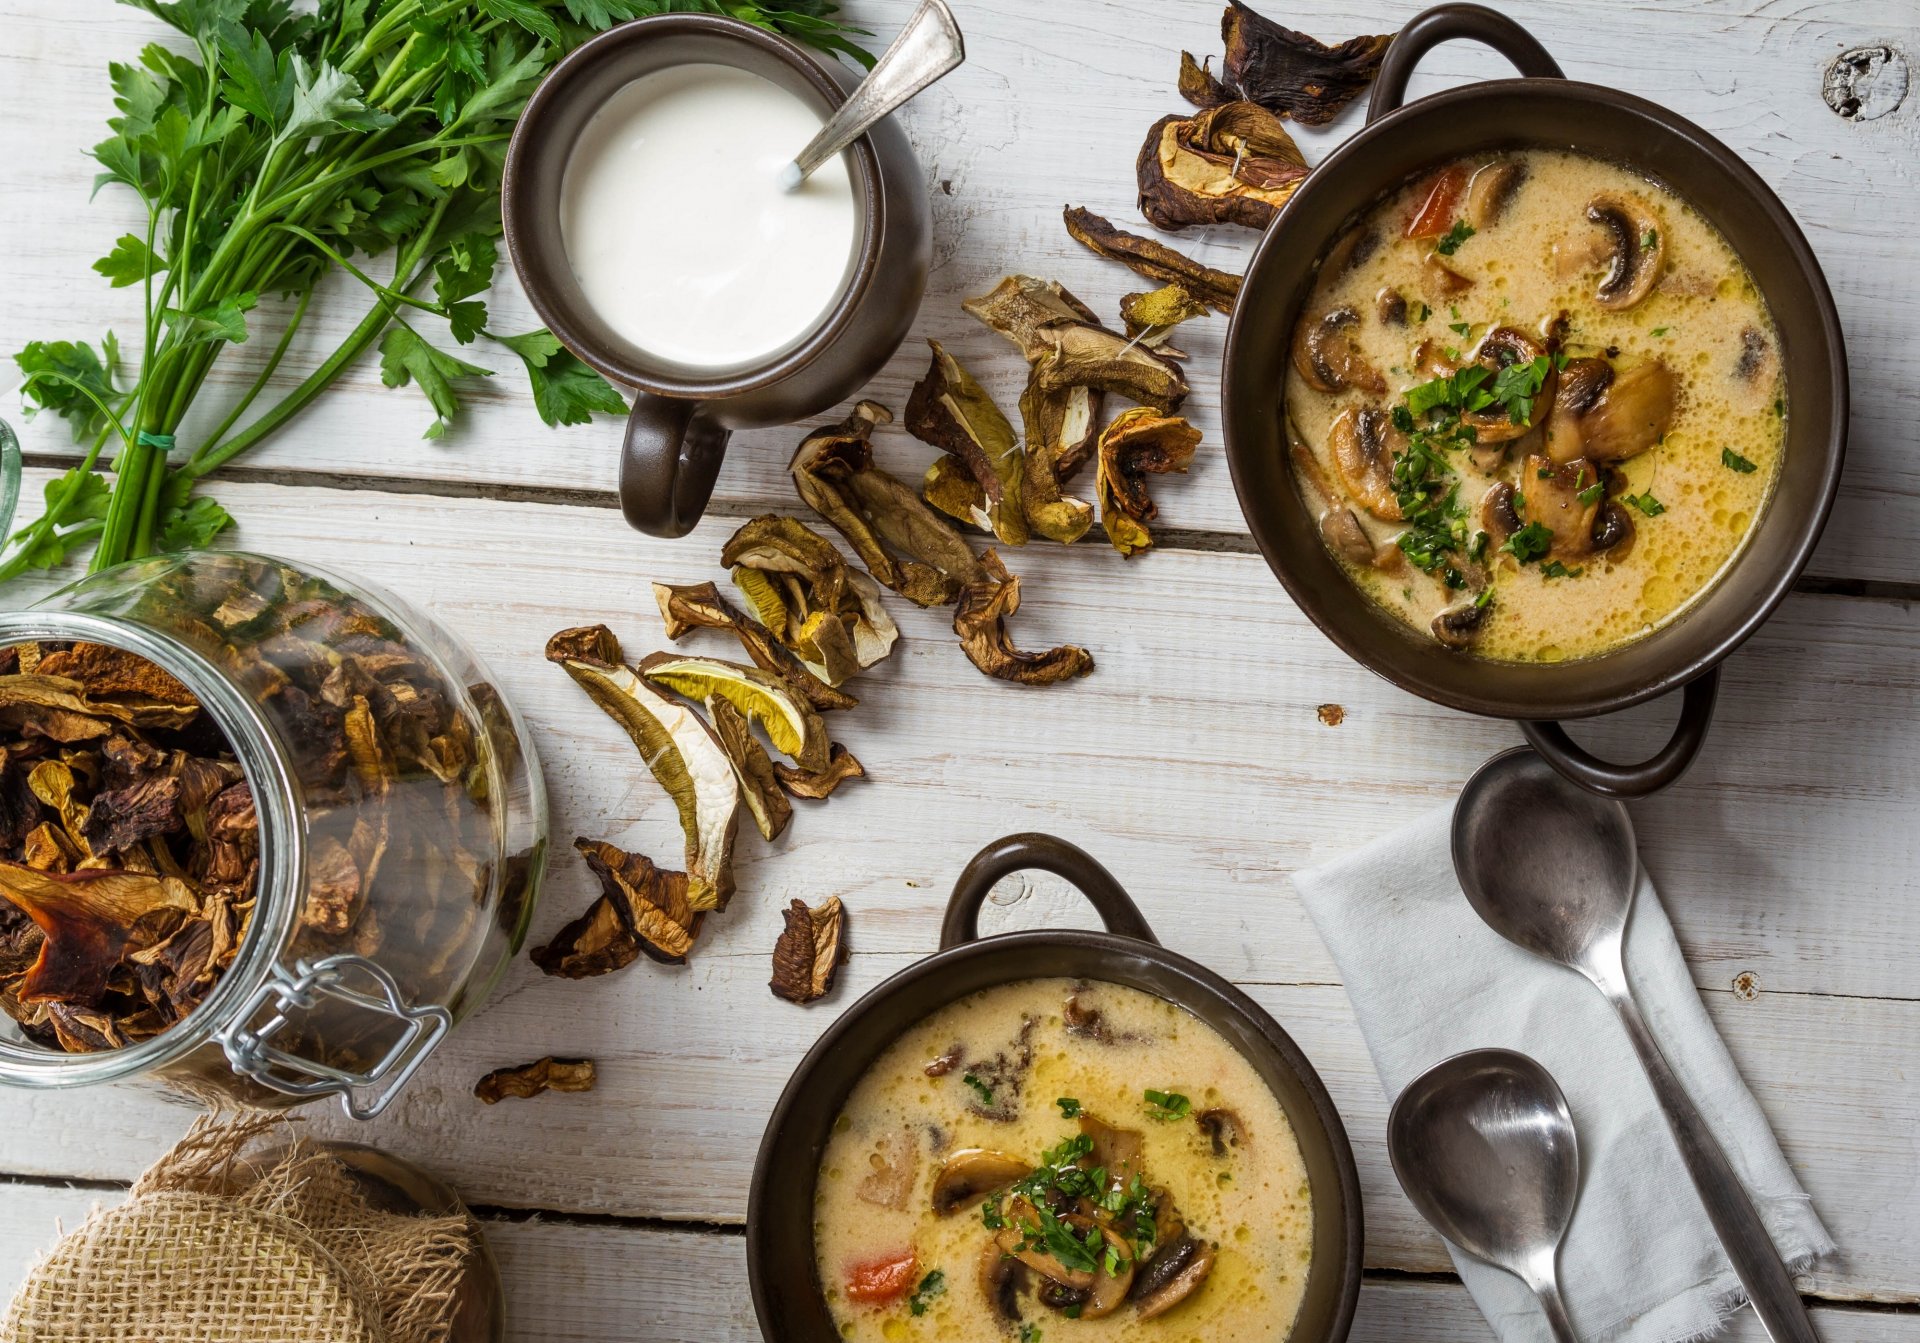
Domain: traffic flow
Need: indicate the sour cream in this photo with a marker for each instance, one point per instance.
(676, 227)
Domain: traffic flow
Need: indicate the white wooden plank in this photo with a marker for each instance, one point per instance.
(1044, 114)
(572, 1283)
(1192, 762)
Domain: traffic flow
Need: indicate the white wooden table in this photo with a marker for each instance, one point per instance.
(1193, 762)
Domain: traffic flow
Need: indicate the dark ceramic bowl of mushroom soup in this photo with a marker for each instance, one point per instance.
(1535, 399)
(1054, 1133)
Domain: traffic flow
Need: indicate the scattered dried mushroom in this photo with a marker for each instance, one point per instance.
(1158, 262)
(1233, 163)
(809, 951)
(981, 622)
(1288, 73)
(1136, 444)
(530, 1079)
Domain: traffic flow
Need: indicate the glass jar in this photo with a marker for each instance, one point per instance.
(374, 744)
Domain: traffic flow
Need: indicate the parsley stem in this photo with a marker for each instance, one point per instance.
(259, 383)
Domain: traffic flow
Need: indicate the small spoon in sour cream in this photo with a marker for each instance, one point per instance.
(929, 47)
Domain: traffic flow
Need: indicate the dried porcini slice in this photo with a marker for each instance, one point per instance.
(651, 901)
(784, 715)
(1230, 164)
(683, 755)
(809, 951)
(1151, 317)
(527, 1080)
(953, 412)
(981, 622)
(597, 943)
(1216, 288)
(880, 516)
(753, 767)
(805, 593)
(114, 674)
(586, 643)
(700, 606)
(841, 766)
(1136, 444)
(89, 921)
(1287, 72)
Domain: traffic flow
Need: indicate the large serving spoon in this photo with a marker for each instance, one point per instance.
(929, 47)
(1564, 894)
(1484, 1146)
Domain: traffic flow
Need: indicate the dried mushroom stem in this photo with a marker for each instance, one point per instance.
(528, 1080)
(950, 410)
(1158, 262)
(980, 621)
(809, 951)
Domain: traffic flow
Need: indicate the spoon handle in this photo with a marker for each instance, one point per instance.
(1555, 1310)
(1744, 1236)
(927, 48)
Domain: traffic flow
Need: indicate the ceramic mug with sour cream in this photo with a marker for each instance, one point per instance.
(643, 215)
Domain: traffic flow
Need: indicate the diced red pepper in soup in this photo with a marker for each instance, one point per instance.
(1442, 204)
(877, 1282)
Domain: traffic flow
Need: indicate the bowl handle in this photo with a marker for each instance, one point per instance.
(1429, 28)
(1049, 853)
(1649, 776)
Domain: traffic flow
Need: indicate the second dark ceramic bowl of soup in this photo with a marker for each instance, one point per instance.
(1540, 109)
(788, 1295)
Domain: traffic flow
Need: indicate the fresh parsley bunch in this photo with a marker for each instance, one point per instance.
(283, 144)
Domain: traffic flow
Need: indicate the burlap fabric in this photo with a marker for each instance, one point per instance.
(216, 1246)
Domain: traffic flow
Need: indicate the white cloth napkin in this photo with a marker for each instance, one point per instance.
(1428, 980)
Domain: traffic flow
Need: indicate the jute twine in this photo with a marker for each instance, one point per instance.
(215, 1247)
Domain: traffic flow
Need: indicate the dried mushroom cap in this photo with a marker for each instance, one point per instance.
(586, 643)
(1066, 347)
(753, 767)
(785, 716)
(88, 923)
(530, 1079)
(809, 598)
(1287, 72)
(841, 766)
(1022, 307)
(880, 516)
(597, 943)
(683, 755)
(1151, 317)
(115, 674)
(981, 622)
(651, 901)
(1198, 84)
(700, 606)
(64, 710)
(951, 410)
(809, 951)
(1231, 164)
(1158, 262)
(1136, 444)
(1059, 427)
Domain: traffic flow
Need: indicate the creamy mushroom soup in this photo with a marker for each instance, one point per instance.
(1535, 402)
(1062, 1160)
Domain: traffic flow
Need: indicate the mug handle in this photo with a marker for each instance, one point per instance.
(1649, 776)
(668, 462)
(1443, 23)
(1049, 853)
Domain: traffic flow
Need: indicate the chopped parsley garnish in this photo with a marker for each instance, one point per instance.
(990, 1215)
(1456, 235)
(930, 1286)
(1650, 238)
(1068, 1107)
(1659, 331)
(1529, 543)
(1555, 569)
(1733, 461)
(1779, 408)
(1516, 385)
(1591, 495)
(1029, 1333)
(1484, 600)
(1646, 503)
(1424, 313)
(979, 1088)
(1460, 328)
(1165, 1105)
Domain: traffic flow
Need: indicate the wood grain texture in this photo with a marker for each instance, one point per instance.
(1045, 114)
(570, 1283)
(1193, 763)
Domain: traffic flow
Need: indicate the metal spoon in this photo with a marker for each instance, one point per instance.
(1484, 1146)
(1564, 894)
(928, 47)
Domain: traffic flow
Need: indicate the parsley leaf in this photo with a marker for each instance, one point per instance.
(934, 1284)
(1591, 495)
(405, 357)
(1646, 503)
(130, 262)
(187, 521)
(82, 496)
(1166, 1105)
(1529, 543)
(979, 1088)
(1733, 461)
(1029, 1333)
(1555, 569)
(59, 373)
(1456, 235)
(1068, 1107)
(565, 391)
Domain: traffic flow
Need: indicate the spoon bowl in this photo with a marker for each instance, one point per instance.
(1483, 1144)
